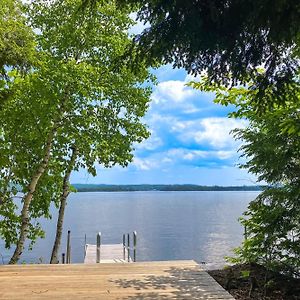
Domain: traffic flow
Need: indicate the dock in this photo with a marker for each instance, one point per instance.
(140, 280)
(109, 253)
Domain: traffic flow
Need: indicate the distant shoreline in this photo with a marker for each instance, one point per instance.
(161, 188)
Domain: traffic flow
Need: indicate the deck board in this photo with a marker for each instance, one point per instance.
(143, 280)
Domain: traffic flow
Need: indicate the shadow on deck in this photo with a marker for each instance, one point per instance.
(143, 280)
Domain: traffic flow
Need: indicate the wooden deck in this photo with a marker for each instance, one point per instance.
(113, 253)
(147, 281)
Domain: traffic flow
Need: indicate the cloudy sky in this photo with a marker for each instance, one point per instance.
(190, 140)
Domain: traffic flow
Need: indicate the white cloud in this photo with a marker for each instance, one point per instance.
(191, 155)
(174, 96)
(216, 131)
(212, 131)
(195, 154)
(225, 154)
(166, 160)
(152, 143)
(172, 90)
(180, 126)
(144, 164)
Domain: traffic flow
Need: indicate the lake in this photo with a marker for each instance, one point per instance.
(171, 225)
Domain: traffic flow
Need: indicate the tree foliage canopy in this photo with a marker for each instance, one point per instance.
(220, 35)
(270, 150)
(17, 46)
(227, 39)
(16, 38)
(78, 96)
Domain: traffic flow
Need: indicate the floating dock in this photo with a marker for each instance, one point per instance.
(111, 253)
(141, 280)
(114, 253)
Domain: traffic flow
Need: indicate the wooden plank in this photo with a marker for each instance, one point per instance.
(109, 253)
(145, 280)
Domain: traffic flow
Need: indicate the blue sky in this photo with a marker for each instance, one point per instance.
(190, 140)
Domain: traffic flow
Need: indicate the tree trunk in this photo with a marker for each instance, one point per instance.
(63, 202)
(28, 197)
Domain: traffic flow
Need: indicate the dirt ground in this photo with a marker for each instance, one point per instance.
(252, 281)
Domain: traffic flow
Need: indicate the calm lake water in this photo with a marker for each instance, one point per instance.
(171, 225)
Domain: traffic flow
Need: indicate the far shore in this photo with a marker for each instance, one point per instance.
(162, 188)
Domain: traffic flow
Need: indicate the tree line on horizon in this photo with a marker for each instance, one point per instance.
(161, 187)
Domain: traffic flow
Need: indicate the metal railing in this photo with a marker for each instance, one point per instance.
(128, 248)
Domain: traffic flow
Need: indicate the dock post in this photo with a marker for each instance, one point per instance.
(68, 258)
(98, 247)
(124, 246)
(84, 249)
(134, 246)
(63, 258)
(128, 247)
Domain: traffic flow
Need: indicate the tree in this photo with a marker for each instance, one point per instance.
(62, 206)
(226, 39)
(31, 118)
(272, 221)
(17, 47)
(271, 152)
(78, 107)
